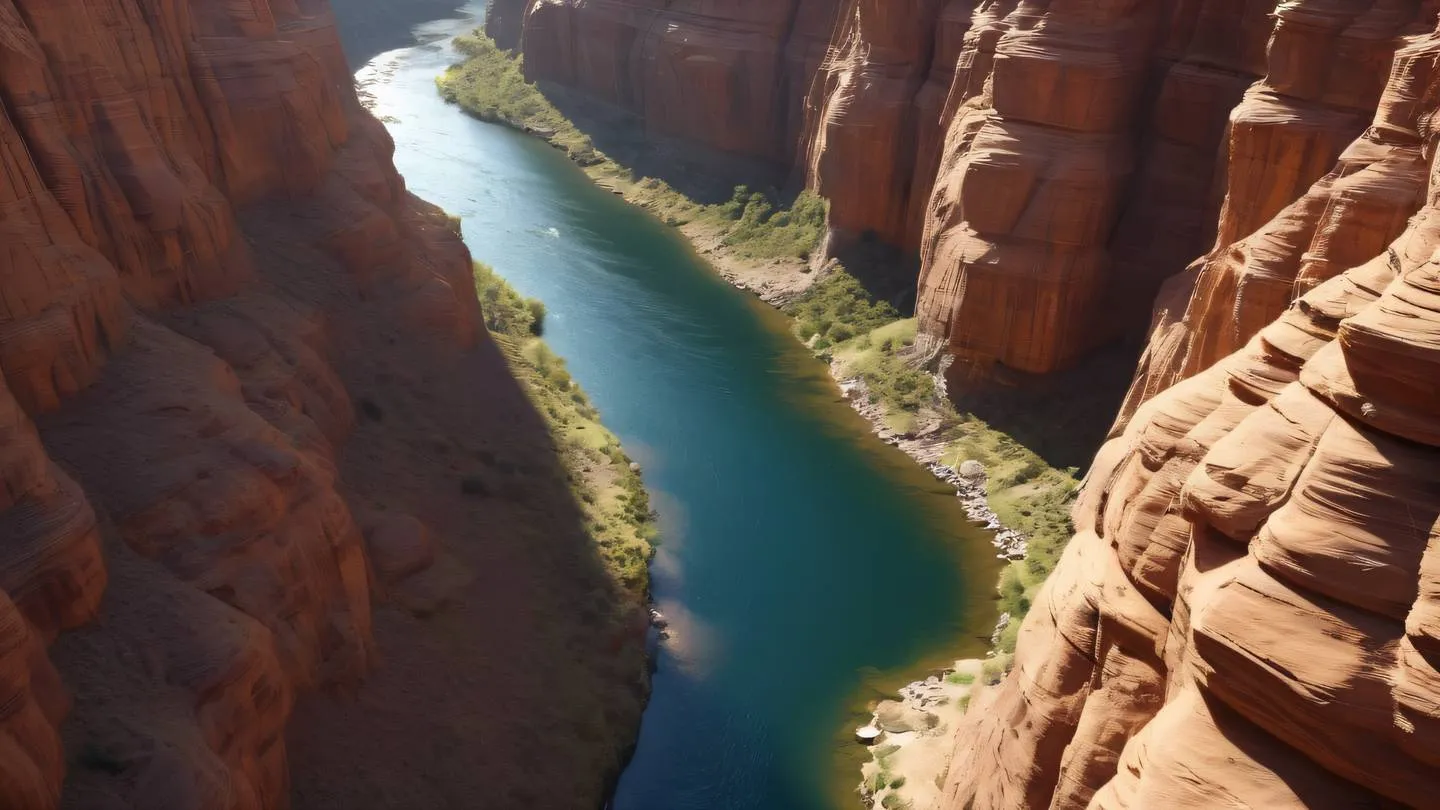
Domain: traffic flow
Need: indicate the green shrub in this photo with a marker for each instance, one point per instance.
(839, 301)
(537, 316)
(761, 231)
(616, 506)
(490, 84)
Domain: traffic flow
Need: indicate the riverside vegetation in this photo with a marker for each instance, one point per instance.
(603, 479)
(863, 335)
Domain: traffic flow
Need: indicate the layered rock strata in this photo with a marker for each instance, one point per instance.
(1244, 616)
(1032, 181)
(1292, 216)
(876, 115)
(731, 77)
(175, 525)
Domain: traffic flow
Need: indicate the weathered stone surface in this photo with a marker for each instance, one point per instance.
(179, 391)
(875, 114)
(1244, 615)
(730, 76)
(505, 22)
(1279, 235)
(1284, 136)
(1210, 52)
(1032, 180)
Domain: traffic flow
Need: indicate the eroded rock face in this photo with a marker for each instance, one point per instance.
(1033, 177)
(1245, 615)
(730, 76)
(876, 114)
(151, 374)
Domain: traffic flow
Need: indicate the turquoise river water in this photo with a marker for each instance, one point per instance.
(804, 565)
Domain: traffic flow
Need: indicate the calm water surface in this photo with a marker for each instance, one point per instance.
(804, 565)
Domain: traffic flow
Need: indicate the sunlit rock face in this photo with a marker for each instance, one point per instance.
(876, 115)
(1246, 615)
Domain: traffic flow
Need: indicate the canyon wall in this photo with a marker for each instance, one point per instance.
(876, 115)
(207, 249)
(729, 76)
(1245, 615)
(1051, 163)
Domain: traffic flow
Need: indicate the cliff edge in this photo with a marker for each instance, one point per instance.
(210, 268)
(1245, 614)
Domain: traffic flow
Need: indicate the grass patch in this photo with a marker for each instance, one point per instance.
(611, 494)
(506, 311)
(490, 84)
(994, 669)
(960, 678)
(836, 309)
(867, 338)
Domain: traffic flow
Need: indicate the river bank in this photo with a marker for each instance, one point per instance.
(1002, 485)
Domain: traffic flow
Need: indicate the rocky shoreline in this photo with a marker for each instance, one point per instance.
(919, 755)
(925, 445)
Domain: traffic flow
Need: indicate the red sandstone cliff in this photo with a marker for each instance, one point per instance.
(731, 76)
(1246, 613)
(876, 117)
(205, 244)
(1051, 162)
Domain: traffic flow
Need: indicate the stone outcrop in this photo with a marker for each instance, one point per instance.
(191, 200)
(1292, 215)
(1033, 179)
(876, 115)
(1034, 255)
(1245, 615)
(1052, 163)
(729, 76)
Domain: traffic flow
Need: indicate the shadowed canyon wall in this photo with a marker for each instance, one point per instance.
(206, 252)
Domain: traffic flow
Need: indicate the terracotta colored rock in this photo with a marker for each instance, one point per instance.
(141, 352)
(1346, 216)
(1285, 135)
(1244, 616)
(729, 76)
(874, 114)
(1210, 52)
(1032, 180)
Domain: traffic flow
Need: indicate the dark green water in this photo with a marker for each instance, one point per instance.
(804, 564)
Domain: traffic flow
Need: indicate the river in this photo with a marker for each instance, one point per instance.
(804, 565)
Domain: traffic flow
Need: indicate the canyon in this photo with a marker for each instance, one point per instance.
(1244, 614)
(231, 481)
(281, 526)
